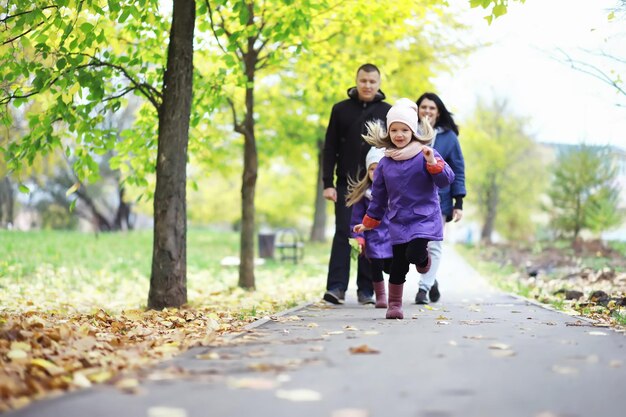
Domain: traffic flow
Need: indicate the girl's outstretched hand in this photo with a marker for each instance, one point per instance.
(360, 228)
(429, 154)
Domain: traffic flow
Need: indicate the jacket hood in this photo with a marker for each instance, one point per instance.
(354, 95)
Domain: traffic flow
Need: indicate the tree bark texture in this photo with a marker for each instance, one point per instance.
(248, 186)
(319, 217)
(492, 210)
(168, 280)
(7, 202)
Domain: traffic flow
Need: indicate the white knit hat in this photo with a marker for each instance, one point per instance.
(404, 111)
(374, 156)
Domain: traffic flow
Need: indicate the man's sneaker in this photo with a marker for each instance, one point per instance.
(421, 297)
(335, 296)
(434, 293)
(365, 299)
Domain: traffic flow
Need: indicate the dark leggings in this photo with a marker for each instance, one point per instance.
(378, 266)
(405, 254)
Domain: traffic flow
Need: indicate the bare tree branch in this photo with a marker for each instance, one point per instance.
(593, 70)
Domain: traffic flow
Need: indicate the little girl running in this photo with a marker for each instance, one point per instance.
(375, 244)
(405, 190)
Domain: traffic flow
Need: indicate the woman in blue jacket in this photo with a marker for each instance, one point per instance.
(446, 142)
(405, 190)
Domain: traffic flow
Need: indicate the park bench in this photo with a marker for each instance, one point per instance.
(289, 245)
(286, 242)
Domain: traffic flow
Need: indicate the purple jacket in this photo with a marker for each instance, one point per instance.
(377, 243)
(408, 193)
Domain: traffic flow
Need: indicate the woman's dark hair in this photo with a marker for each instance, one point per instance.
(445, 120)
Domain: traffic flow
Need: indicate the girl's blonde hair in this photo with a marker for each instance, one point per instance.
(378, 137)
(357, 189)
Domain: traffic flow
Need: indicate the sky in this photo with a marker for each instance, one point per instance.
(564, 105)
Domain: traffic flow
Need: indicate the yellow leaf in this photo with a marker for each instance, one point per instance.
(20, 346)
(48, 366)
(17, 355)
(99, 377)
(72, 189)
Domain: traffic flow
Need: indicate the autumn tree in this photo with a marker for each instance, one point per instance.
(505, 169)
(81, 59)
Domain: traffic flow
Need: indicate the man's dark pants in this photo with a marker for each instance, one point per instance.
(339, 264)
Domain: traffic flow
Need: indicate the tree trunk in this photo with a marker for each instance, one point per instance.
(250, 168)
(7, 201)
(492, 210)
(122, 215)
(99, 220)
(168, 280)
(319, 218)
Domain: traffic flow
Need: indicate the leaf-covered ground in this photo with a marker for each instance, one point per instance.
(72, 306)
(588, 279)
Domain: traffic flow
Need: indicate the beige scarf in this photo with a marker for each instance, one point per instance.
(402, 154)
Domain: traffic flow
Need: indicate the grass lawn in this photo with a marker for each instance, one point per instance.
(82, 272)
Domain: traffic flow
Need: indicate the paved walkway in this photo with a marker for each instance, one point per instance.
(478, 352)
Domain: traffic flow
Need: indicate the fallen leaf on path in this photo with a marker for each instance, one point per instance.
(442, 322)
(312, 325)
(616, 363)
(453, 343)
(350, 412)
(128, 385)
(499, 346)
(252, 383)
(363, 349)
(258, 353)
(502, 353)
(166, 412)
(208, 355)
(477, 337)
(351, 328)
(564, 370)
(336, 332)
(596, 333)
(298, 395)
(370, 332)
(442, 317)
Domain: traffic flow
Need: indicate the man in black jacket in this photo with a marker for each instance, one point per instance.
(344, 156)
